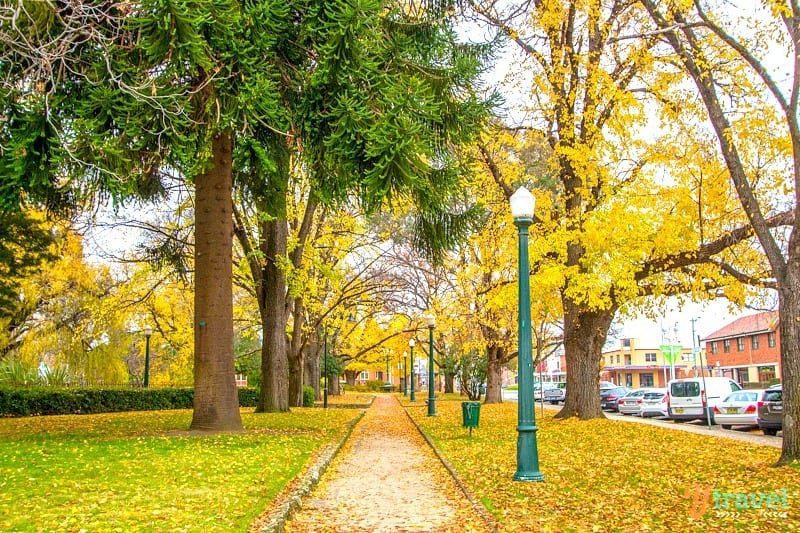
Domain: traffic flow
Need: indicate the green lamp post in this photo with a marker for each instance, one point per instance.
(405, 373)
(411, 344)
(431, 389)
(148, 332)
(325, 370)
(522, 204)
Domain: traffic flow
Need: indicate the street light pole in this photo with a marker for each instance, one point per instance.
(148, 332)
(405, 373)
(411, 344)
(325, 371)
(431, 388)
(522, 205)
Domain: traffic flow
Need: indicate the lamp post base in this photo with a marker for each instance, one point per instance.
(431, 406)
(529, 476)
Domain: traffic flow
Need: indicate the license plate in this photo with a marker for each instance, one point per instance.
(678, 410)
(777, 408)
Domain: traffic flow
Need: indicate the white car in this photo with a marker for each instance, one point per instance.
(631, 403)
(655, 402)
(691, 398)
(739, 409)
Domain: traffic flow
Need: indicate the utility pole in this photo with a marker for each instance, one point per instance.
(694, 349)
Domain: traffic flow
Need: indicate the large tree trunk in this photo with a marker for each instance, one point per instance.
(449, 383)
(274, 360)
(296, 368)
(216, 401)
(350, 377)
(494, 374)
(584, 337)
(333, 385)
(789, 311)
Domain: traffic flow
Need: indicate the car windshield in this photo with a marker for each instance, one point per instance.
(653, 395)
(773, 396)
(682, 389)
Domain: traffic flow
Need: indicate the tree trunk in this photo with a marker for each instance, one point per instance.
(274, 360)
(789, 312)
(448, 383)
(333, 385)
(216, 401)
(296, 356)
(311, 366)
(350, 377)
(494, 374)
(584, 337)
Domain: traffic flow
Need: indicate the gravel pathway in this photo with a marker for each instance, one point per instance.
(386, 478)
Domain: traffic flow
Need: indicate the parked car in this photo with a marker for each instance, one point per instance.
(739, 409)
(688, 397)
(539, 390)
(610, 397)
(555, 395)
(654, 403)
(631, 403)
(770, 411)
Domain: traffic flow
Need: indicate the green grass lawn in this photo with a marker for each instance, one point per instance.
(615, 475)
(140, 471)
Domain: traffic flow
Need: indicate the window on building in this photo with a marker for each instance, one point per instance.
(740, 344)
(766, 373)
(754, 342)
(743, 374)
(627, 359)
(771, 339)
(629, 380)
(646, 380)
(626, 343)
(379, 376)
(726, 345)
(364, 376)
(714, 347)
(650, 358)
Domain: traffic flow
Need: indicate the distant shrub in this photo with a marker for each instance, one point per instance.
(375, 384)
(47, 401)
(15, 373)
(309, 396)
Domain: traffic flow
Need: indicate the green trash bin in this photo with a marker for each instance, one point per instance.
(471, 414)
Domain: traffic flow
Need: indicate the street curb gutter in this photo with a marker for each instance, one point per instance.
(275, 518)
(488, 520)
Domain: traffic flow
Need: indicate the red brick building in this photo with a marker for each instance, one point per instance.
(748, 350)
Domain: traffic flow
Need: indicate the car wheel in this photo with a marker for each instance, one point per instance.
(553, 403)
(726, 426)
(678, 420)
(770, 432)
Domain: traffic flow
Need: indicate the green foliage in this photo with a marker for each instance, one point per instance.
(375, 385)
(15, 373)
(472, 373)
(308, 396)
(39, 401)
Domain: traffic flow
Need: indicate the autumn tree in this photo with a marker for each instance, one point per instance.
(754, 118)
(617, 222)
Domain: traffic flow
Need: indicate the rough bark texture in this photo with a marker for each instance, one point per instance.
(449, 386)
(584, 336)
(296, 368)
(790, 362)
(311, 367)
(216, 402)
(494, 373)
(274, 360)
(350, 377)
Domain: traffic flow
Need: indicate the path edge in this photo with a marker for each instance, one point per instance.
(488, 520)
(274, 519)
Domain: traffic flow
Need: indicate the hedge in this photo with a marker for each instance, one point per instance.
(30, 402)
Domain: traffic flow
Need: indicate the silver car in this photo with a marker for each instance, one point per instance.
(631, 403)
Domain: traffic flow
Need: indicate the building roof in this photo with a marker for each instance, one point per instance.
(747, 325)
